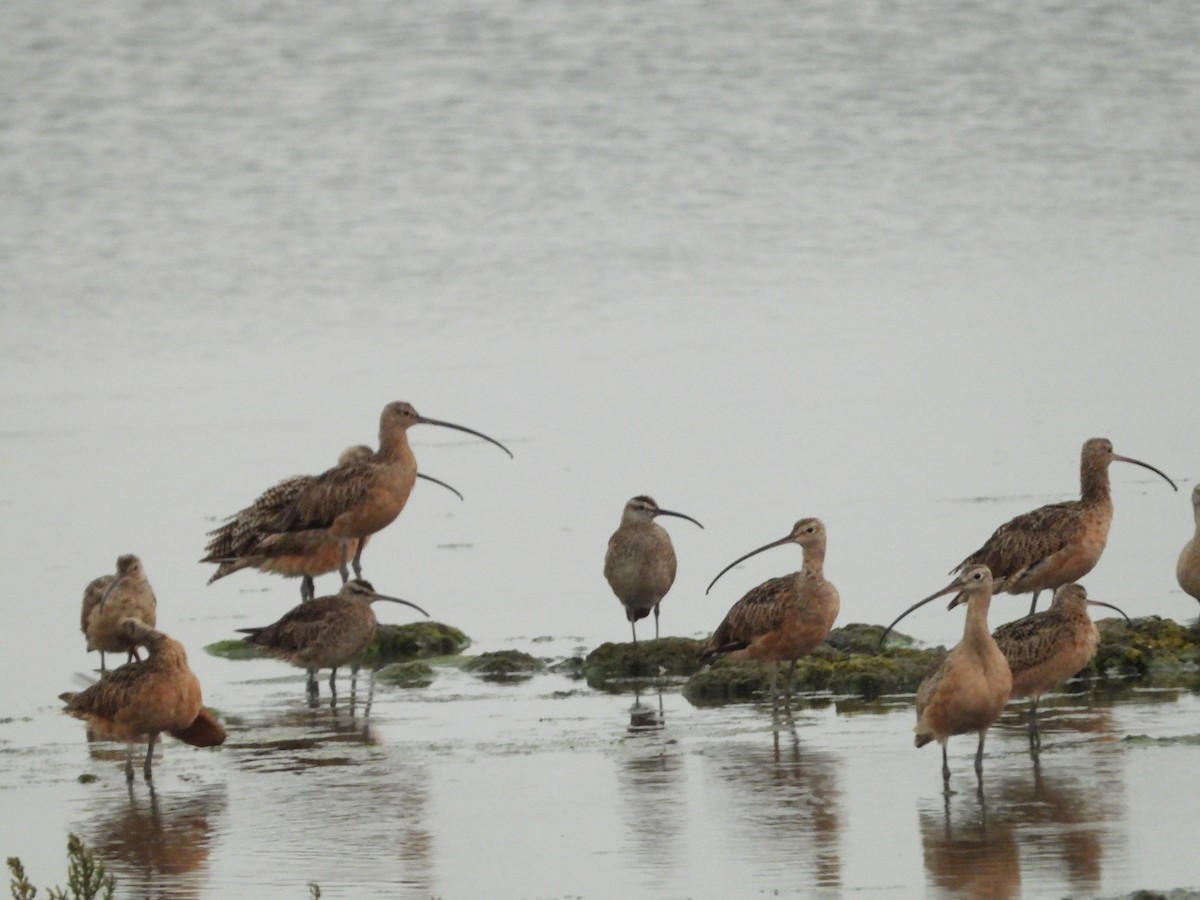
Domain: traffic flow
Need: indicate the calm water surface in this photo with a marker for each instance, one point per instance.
(885, 265)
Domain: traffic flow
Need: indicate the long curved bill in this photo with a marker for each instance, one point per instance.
(108, 590)
(478, 434)
(452, 490)
(778, 543)
(1138, 462)
(955, 585)
(1109, 606)
(678, 515)
(398, 600)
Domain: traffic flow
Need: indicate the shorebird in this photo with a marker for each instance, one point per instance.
(233, 545)
(108, 600)
(1045, 649)
(140, 700)
(1187, 570)
(640, 563)
(325, 633)
(1060, 542)
(783, 618)
(966, 690)
(350, 502)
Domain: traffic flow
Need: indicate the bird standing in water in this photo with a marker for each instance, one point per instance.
(640, 563)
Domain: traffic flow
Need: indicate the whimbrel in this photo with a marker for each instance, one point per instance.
(350, 502)
(325, 633)
(140, 700)
(108, 600)
(640, 562)
(783, 618)
(233, 546)
(967, 689)
(1060, 542)
(1187, 570)
(1045, 649)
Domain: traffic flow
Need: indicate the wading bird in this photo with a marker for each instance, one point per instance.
(1060, 542)
(967, 689)
(350, 502)
(640, 562)
(233, 545)
(108, 600)
(1045, 649)
(783, 618)
(140, 700)
(325, 633)
(1187, 570)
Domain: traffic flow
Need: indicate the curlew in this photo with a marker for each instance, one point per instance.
(351, 502)
(325, 633)
(1060, 542)
(1187, 570)
(233, 546)
(1045, 649)
(108, 600)
(783, 618)
(640, 563)
(140, 700)
(966, 689)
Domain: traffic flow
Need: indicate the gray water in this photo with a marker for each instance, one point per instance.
(888, 265)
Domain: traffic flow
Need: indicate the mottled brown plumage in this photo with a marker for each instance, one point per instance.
(138, 701)
(967, 689)
(324, 633)
(1060, 542)
(1187, 570)
(1045, 649)
(783, 618)
(348, 503)
(640, 563)
(110, 599)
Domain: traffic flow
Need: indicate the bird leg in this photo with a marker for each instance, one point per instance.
(1035, 737)
(979, 755)
(357, 561)
(311, 686)
(129, 763)
(308, 589)
(103, 668)
(343, 568)
(633, 628)
(333, 680)
(1033, 605)
(945, 768)
(656, 622)
(787, 684)
(149, 758)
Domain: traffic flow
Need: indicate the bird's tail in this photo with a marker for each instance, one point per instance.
(205, 731)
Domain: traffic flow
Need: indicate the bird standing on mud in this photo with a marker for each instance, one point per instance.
(640, 563)
(783, 618)
(1045, 649)
(110, 599)
(966, 690)
(1058, 543)
(140, 700)
(325, 633)
(233, 546)
(348, 503)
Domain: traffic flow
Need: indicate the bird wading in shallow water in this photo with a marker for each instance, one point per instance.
(640, 562)
(1058, 543)
(966, 690)
(783, 618)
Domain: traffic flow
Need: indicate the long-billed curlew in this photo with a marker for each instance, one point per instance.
(1060, 542)
(640, 563)
(140, 700)
(1045, 649)
(1187, 570)
(350, 502)
(967, 689)
(233, 546)
(108, 600)
(325, 633)
(783, 618)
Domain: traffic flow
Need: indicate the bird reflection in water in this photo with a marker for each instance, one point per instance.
(650, 772)
(646, 716)
(296, 737)
(966, 853)
(157, 845)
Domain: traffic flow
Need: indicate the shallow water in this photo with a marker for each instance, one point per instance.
(886, 266)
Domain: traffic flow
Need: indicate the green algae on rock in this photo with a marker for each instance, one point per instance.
(411, 674)
(849, 663)
(612, 666)
(1147, 646)
(504, 665)
(236, 649)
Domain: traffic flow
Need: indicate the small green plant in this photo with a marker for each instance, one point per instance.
(86, 879)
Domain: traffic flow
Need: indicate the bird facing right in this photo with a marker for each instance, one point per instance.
(1187, 570)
